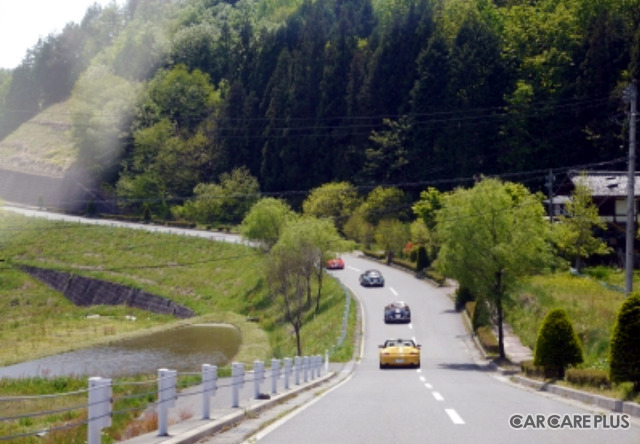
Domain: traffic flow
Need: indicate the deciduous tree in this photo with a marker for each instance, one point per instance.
(490, 237)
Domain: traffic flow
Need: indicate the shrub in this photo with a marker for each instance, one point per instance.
(557, 344)
(481, 314)
(422, 260)
(625, 347)
(463, 295)
(530, 369)
(488, 340)
(588, 377)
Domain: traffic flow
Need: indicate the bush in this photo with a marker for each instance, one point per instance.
(422, 260)
(588, 377)
(481, 314)
(625, 347)
(463, 295)
(557, 344)
(531, 370)
(488, 340)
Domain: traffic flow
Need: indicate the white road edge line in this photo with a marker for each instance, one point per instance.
(455, 418)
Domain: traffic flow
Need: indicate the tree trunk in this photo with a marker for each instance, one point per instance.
(500, 315)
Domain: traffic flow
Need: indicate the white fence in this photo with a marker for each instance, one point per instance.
(100, 398)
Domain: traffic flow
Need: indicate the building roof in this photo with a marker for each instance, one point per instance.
(605, 183)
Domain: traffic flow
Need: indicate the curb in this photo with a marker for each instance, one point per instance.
(193, 430)
(613, 404)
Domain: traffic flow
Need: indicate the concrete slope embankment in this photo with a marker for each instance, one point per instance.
(83, 291)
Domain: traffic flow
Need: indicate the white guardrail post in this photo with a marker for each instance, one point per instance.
(209, 385)
(100, 398)
(275, 375)
(305, 368)
(326, 361)
(237, 381)
(167, 380)
(258, 377)
(296, 369)
(287, 372)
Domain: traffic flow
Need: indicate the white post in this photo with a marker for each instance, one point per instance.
(258, 371)
(287, 372)
(296, 369)
(237, 381)
(167, 380)
(209, 380)
(305, 366)
(326, 361)
(275, 374)
(100, 397)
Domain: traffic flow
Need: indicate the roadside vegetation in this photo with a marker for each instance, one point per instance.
(221, 282)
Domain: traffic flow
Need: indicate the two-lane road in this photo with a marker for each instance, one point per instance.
(452, 398)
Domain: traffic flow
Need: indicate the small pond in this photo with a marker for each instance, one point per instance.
(184, 349)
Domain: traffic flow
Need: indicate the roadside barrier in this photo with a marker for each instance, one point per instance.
(99, 405)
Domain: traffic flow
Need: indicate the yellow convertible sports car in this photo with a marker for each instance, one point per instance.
(399, 353)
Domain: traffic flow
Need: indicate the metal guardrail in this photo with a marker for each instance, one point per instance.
(100, 400)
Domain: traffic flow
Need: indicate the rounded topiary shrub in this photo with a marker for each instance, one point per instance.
(557, 344)
(625, 344)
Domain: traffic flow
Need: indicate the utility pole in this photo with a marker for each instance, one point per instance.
(550, 186)
(631, 95)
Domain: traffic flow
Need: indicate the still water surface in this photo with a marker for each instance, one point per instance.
(184, 349)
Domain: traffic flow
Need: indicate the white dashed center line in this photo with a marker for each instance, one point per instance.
(395, 293)
(438, 396)
(454, 416)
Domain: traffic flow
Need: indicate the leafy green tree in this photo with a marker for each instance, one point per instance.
(334, 200)
(185, 98)
(359, 229)
(426, 208)
(392, 235)
(624, 360)
(557, 344)
(226, 202)
(573, 235)
(285, 273)
(265, 221)
(319, 239)
(385, 203)
(489, 238)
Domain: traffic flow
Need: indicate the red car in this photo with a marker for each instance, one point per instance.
(335, 264)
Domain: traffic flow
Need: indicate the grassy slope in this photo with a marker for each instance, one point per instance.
(219, 281)
(592, 309)
(42, 145)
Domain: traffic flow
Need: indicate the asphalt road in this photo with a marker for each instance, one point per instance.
(452, 398)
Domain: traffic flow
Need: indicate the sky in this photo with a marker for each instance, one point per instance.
(23, 22)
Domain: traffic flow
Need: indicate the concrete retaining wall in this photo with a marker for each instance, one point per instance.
(71, 193)
(83, 291)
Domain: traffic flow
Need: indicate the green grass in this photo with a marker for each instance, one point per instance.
(592, 309)
(221, 282)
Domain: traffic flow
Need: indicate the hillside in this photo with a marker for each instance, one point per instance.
(42, 145)
(172, 94)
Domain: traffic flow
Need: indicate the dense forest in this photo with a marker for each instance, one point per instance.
(170, 95)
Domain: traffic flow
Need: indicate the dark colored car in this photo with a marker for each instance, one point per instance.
(397, 312)
(371, 278)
